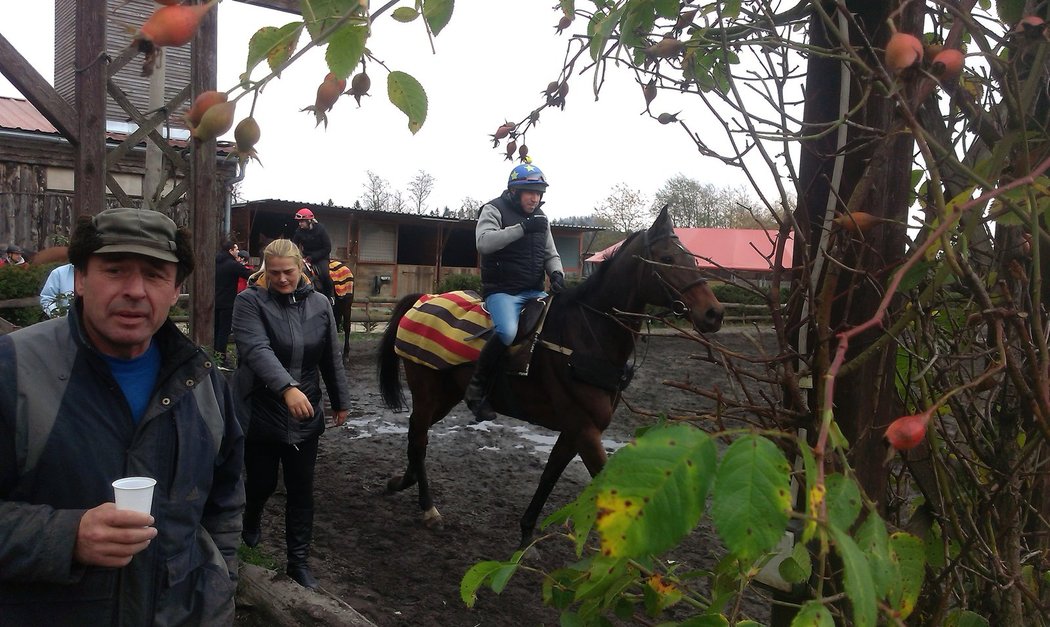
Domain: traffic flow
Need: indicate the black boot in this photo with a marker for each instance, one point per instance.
(480, 384)
(251, 529)
(299, 524)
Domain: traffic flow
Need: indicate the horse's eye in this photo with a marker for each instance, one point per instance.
(669, 260)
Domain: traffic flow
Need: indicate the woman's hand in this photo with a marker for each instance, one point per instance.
(339, 417)
(298, 405)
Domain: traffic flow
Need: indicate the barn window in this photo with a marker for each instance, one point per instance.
(378, 242)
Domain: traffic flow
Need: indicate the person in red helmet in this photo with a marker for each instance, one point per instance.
(312, 238)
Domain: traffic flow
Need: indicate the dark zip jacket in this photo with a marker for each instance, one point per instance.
(284, 340)
(66, 434)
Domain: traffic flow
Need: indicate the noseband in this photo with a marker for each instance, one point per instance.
(676, 305)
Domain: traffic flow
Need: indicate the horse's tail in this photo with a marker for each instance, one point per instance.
(387, 360)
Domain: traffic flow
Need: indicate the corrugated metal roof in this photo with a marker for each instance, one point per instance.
(19, 114)
(735, 249)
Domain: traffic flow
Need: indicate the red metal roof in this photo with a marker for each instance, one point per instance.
(734, 249)
(19, 114)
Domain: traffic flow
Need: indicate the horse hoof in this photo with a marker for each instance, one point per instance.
(394, 485)
(432, 519)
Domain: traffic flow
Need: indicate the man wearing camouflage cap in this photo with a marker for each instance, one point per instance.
(112, 390)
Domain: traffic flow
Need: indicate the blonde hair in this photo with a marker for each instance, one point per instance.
(278, 248)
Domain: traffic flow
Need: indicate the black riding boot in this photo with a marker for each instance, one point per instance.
(480, 384)
(251, 529)
(299, 524)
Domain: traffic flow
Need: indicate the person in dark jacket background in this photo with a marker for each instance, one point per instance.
(286, 343)
(514, 240)
(111, 390)
(228, 272)
(313, 239)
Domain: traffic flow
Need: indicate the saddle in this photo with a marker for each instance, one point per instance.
(443, 331)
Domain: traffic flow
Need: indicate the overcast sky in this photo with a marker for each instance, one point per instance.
(491, 64)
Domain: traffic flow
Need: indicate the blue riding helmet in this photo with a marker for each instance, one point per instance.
(527, 176)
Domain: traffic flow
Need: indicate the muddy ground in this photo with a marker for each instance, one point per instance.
(370, 548)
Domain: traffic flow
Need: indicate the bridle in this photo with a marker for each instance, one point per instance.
(675, 296)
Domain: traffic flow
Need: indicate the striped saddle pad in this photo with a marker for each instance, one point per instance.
(443, 330)
(342, 277)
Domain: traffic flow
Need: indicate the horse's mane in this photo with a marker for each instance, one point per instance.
(597, 277)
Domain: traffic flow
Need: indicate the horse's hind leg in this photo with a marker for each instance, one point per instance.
(432, 400)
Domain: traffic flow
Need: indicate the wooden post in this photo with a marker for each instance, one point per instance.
(153, 176)
(203, 195)
(89, 175)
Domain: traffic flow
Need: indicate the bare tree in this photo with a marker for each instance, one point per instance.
(419, 189)
(397, 202)
(468, 208)
(624, 208)
(377, 193)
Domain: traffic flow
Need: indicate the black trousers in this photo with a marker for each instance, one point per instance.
(261, 461)
(223, 326)
(324, 280)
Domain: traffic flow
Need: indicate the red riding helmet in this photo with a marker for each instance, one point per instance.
(304, 214)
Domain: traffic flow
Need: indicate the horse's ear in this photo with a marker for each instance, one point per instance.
(663, 223)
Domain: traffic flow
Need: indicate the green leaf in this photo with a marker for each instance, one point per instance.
(600, 28)
(638, 21)
(752, 497)
(404, 14)
(345, 49)
(874, 541)
(497, 574)
(320, 15)
(916, 275)
(797, 567)
(666, 8)
(408, 95)
(652, 492)
(1010, 11)
(474, 578)
(843, 500)
(731, 9)
(856, 578)
(437, 13)
(908, 553)
(813, 614)
(965, 618)
(707, 620)
(273, 44)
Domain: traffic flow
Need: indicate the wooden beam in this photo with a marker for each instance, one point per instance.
(204, 189)
(32, 85)
(89, 175)
(288, 6)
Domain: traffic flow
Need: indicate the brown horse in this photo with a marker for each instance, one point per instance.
(578, 370)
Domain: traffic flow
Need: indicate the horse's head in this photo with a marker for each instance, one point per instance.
(675, 281)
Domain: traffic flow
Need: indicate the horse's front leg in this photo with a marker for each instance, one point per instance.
(561, 454)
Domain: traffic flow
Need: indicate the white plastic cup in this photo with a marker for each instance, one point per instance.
(134, 493)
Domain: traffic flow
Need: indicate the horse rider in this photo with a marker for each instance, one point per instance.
(313, 239)
(514, 240)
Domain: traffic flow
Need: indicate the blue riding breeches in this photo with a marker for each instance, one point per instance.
(505, 310)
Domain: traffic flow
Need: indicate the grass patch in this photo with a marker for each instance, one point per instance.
(256, 557)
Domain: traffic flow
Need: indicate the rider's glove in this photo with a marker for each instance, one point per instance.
(535, 224)
(557, 283)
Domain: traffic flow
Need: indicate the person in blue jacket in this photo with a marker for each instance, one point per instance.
(112, 390)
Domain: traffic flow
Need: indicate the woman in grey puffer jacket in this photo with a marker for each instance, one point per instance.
(286, 343)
